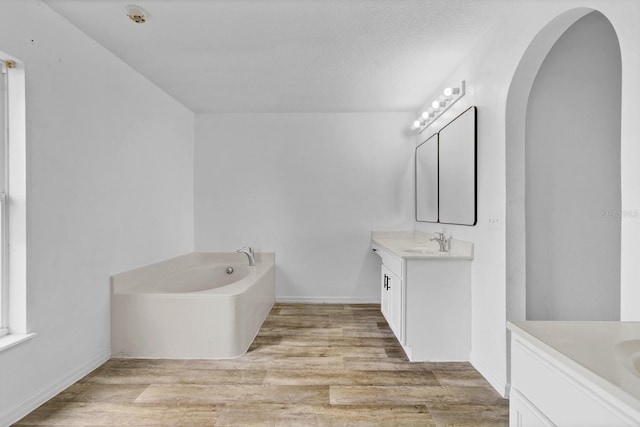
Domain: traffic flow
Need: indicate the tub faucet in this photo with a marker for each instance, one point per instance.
(443, 242)
(249, 253)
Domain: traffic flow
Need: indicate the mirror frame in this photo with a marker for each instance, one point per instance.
(473, 145)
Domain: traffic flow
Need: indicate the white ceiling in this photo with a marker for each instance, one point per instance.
(291, 55)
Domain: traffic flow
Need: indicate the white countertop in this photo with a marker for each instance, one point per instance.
(588, 348)
(417, 245)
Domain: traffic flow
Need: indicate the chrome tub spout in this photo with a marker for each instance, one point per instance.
(249, 253)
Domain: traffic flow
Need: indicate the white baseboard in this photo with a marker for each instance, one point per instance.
(328, 300)
(499, 385)
(48, 391)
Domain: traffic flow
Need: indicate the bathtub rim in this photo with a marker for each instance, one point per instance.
(128, 282)
(231, 290)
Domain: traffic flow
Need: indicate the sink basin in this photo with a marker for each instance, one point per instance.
(424, 251)
(627, 353)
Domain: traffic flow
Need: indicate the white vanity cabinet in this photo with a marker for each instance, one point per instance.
(437, 309)
(566, 374)
(426, 300)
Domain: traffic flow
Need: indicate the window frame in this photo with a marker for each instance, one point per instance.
(4, 282)
(14, 183)
(4, 133)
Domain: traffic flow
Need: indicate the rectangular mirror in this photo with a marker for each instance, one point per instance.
(457, 170)
(427, 180)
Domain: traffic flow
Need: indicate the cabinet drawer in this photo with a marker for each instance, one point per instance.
(392, 262)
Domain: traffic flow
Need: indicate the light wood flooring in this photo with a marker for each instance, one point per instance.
(310, 365)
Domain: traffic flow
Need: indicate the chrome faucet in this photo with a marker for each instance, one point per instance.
(249, 253)
(442, 240)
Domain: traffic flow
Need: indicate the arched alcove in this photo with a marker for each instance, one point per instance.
(572, 177)
(563, 238)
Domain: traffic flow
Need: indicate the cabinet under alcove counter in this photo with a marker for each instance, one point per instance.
(575, 373)
(426, 293)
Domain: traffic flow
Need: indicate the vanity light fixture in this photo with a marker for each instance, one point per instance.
(450, 96)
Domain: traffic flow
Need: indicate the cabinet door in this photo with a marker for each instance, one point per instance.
(391, 301)
(385, 297)
(395, 305)
(523, 413)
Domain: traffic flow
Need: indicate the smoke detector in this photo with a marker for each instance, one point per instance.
(136, 14)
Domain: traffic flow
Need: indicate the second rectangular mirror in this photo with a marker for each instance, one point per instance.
(457, 170)
(427, 180)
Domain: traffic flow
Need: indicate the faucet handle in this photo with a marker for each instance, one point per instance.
(440, 236)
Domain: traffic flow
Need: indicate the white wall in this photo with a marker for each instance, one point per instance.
(110, 187)
(309, 187)
(572, 169)
(489, 72)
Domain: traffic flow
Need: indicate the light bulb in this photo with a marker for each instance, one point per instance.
(435, 104)
(425, 115)
(451, 91)
(416, 124)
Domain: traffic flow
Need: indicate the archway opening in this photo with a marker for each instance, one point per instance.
(563, 173)
(572, 177)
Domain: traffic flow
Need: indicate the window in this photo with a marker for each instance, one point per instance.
(4, 287)
(13, 204)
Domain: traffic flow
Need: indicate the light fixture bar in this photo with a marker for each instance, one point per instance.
(450, 96)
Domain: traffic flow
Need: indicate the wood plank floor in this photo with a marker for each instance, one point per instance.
(310, 365)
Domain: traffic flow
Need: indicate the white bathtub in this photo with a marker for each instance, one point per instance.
(190, 308)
